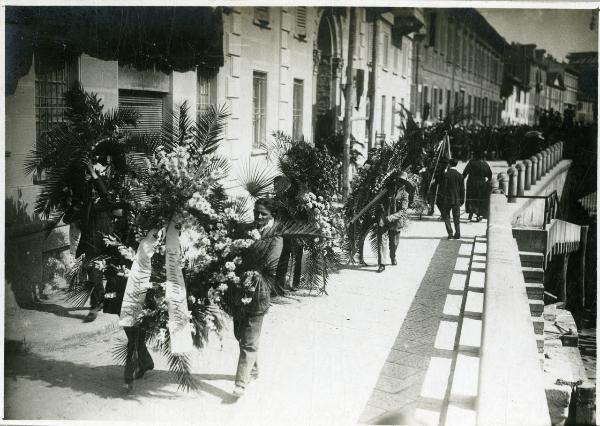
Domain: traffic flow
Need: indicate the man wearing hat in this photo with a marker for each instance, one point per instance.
(392, 214)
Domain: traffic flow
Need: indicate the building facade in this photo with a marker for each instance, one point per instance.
(458, 65)
(586, 64)
(516, 106)
(283, 68)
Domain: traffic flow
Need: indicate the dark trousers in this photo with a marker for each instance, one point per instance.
(97, 296)
(393, 240)
(247, 332)
(138, 359)
(445, 210)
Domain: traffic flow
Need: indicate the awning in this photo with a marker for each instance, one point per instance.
(163, 38)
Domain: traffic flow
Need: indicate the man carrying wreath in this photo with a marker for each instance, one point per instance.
(391, 214)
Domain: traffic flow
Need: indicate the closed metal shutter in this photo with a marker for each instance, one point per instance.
(149, 107)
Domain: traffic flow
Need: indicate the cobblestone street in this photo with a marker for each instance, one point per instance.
(358, 353)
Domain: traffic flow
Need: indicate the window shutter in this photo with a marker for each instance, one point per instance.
(301, 21)
(149, 107)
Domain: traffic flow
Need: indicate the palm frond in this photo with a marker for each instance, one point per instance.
(294, 229)
(119, 352)
(218, 198)
(208, 132)
(257, 180)
(179, 365)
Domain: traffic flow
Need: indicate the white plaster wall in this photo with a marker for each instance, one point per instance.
(19, 140)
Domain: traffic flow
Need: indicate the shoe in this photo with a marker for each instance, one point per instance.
(450, 236)
(394, 262)
(381, 268)
(479, 218)
(144, 370)
(456, 236)
(238, 392)
(91, 316)
(470, 216)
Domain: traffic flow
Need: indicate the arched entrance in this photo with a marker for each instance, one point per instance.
(327, 66)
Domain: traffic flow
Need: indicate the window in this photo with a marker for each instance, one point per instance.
(464, 51)
(259, 102)
(386, 49)
(149, 106)
(441, 96)
(457, 45)
(51, 84)
(404, 62)
(424, 102)
(393, 130)
(434, 97)
(396, 55)
(383, 114)
(301, 22)
(448, 100)
(450, 44)
(469, 105)
(369, 42)
(207, 93)
(261, 16)
(432, 29)
(297, 109)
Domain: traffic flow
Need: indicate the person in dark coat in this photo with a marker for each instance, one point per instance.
(438, 177)
(478, 175)
(247, 323)
(93, 214)
(451, 196)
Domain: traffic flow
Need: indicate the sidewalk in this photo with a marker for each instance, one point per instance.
(51, 325)
(321, 357)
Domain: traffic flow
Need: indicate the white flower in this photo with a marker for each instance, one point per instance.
(222, 287)
(246, 300)
(237, 260)
(254, 234)
(230, 266)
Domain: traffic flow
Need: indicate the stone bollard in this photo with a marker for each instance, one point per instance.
(503, 182)
(494, 185)
(539, 166)
(544, 168)
(552, 153)
(512, 184)
(556, 159)
(534, 161)
(527, 174)
(549, 164)
(561, 150)
(521, 172)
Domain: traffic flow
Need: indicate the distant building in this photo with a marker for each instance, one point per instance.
(525, 63)
(586, 64)
(515, 106)
(458, 64)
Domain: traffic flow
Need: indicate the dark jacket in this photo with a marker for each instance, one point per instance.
(452, 189)
(270, 247)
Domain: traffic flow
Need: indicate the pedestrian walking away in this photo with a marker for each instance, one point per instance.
(451, 196)
(478, 175)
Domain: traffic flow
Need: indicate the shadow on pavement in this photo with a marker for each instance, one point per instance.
(106, 381)
(398, 389)
(58, 310)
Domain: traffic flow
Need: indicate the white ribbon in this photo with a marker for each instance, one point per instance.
(138, 281)
(179, 317)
